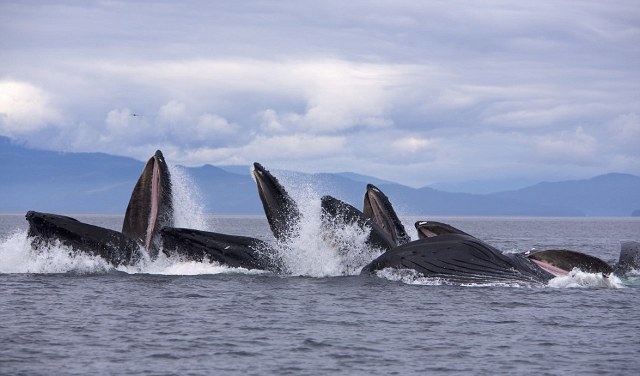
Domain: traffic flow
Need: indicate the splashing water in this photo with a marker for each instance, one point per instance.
(175, 265)
(188, 210)
(578, 278)
(316, 250)
(306, 253)
(412, 277)
(17, 256)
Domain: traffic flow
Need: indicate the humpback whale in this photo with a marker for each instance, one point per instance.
(555, 261)
(458, 258)
(446, 252)
(149, 209)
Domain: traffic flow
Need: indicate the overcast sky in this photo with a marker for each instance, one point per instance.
(412, 91)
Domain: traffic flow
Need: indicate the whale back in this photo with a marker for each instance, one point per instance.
(150, 206)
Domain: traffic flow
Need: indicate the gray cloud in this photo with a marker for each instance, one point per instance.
(402, 90)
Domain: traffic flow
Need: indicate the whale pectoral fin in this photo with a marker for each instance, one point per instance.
(150, 206)
(629, 258)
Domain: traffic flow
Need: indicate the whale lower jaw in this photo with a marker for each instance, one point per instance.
(228, 250)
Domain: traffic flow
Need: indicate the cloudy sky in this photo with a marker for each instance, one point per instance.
(413, 91)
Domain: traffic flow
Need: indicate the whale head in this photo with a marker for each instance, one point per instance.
(281, 210)
(429, 229)
(378, 207)
(562, 261)
(629, 258)
(150, 206)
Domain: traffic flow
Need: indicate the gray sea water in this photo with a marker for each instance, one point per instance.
(62, 314)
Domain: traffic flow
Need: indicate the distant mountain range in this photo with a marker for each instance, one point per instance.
(100, 183)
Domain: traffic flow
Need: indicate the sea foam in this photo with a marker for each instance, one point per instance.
(315, 251)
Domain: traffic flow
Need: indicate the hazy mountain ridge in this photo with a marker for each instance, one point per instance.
(101, 183)
(608, 195)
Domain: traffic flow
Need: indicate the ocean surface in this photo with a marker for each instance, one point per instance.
(75, 315)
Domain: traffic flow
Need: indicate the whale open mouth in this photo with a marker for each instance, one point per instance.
(154, 204)
(424, 231)
(429, 229)
(374, 207)
(378, 208)
(150, 207)
(561, 261)
(558, 272)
